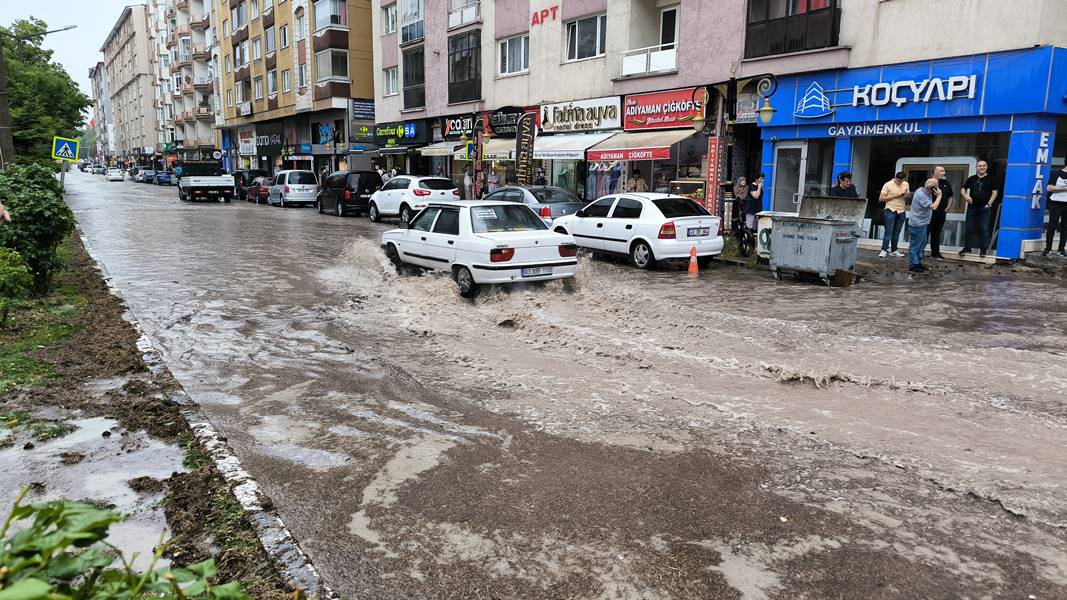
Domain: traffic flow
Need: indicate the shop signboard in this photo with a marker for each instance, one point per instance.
(713, 191)
(246, 142)
(526, 134)
(746, 107)
(581, 115)
(503, 122)
(401, 133)
(455, 127)
(362, 109)
(268, 139)
(623, 154)
(244, 109)
(672, 109)
(361, 133)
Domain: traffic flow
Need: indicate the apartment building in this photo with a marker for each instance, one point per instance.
(291, 72)
(190, 77)
(162, 101)
(127, 51)
(105, 147)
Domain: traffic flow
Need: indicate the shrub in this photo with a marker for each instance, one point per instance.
(15, 281)
(40, 220)
(60, 554)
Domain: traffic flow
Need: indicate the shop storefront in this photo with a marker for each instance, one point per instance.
(246, 148)
(567, 131)
(663, 147)
(398, 144)
(453, 132)
(269, 146)
(1005, 108)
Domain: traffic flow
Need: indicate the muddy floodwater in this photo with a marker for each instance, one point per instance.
(645, 436)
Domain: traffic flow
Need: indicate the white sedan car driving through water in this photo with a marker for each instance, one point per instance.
(482, 242)
(646, 227)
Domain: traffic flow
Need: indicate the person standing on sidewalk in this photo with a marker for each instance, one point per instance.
(924, 204)
(937, 223)
(895, 195)
(979, 191)
(844, 187)
(1057, 211)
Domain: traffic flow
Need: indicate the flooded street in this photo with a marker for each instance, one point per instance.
(646, 436)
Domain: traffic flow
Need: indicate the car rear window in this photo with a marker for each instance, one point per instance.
(512, 217)
(302, 177)
(679, 207)
(201, 169)
(553, 195)
(436, 184)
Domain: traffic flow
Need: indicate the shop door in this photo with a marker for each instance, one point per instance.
(790, 166)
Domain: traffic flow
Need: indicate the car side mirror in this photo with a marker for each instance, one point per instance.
(580, 213)
(404, 224)
(377, 188)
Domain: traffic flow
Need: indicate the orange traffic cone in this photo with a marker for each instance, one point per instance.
(694, 270)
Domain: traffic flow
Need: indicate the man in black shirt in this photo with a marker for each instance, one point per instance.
(937, 222)
(979, 191)
(844, 187)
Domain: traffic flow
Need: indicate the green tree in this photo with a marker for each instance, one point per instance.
(87, 149)
(44, 100)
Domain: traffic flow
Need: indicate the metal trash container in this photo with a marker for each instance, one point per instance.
(764, 224)
(820, 239)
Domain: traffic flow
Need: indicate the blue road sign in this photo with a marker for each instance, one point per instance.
(65, 148)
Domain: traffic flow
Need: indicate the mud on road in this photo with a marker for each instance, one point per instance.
(646, 436)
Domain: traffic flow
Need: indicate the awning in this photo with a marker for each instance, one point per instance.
(569, 146)
(498, 149)
(446, 148)
(643, 145)
(394, 150)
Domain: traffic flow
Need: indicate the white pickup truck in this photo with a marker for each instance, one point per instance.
(204, 180)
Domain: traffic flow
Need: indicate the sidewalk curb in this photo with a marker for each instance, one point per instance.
(293, 563)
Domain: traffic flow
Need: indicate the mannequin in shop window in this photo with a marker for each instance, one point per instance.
(616, 174)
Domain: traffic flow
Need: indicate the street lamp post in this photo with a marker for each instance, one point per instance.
(7, 142)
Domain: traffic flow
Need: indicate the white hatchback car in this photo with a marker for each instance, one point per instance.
(293, 187)
(114, 174)
(405, 195)
(482, 242)
(646, 227)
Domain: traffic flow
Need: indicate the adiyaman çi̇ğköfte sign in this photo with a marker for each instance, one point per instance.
(664, 110)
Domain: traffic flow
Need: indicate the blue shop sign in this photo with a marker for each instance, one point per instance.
(305, 148)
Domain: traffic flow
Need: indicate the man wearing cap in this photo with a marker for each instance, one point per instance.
(895, 195)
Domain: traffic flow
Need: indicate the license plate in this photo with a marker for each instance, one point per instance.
(535, 271)
(699, 231)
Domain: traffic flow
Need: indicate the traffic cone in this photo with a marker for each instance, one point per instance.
(694, 270)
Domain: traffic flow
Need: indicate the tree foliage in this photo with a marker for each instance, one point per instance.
(15, 281)
(44, 100)
(40, 220)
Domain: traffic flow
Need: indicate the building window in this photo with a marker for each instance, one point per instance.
(254, 7)
(390, 81)
(464, 67)
(229, 97)
(411, 26)
(268, 35)
(257, 49)
(272, 82)
(244, 52)
(229, 63)
(284, 34)
(225, 27)
(515, 55)
(177, 83)
(331, 64)
(285, 81)
(164, 60)
(330, 12)
(298, 27)
(258, 84)
(389, 19)
(781, 26)
(587, 38)
(240, 91)
(301, 75)
(414, 78)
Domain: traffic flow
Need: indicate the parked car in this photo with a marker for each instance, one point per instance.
(549, 202)
(348, 191)
(293, 187)
(164, 178)
(99, 170)
(258, 189)
(114, 174)
(405, 195)
(482, 242)
(242, 179)
(646, 227)
(204, 180)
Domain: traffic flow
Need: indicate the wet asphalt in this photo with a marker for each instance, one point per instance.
(646, 436)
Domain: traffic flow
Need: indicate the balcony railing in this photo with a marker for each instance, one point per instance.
(805, 31)
(200, 22)
(412, 32)
(462, 13)
(663, 57)
(181, 4)
(415, 96)
(201, 82)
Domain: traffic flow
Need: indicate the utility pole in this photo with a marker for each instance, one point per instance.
(7, 141)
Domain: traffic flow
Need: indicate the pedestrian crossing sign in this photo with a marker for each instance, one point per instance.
(65, 148)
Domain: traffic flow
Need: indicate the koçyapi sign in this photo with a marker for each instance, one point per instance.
(664, 110)
(542, 16)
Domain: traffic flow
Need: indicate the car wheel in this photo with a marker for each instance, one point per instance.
(394, 257)
(340, 209)
(281, 201)
(405, 213)
(467, 287)
(181, 194)
(641, 255)
(318, 205)
(373, 214)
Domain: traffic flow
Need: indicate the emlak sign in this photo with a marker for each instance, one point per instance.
(673, 109)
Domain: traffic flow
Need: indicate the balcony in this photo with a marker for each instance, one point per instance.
(187, 87)
(184, 59)
(181, 4)
(332, 89)
(172, 40)
(201, 53)
(464, 12)
(654, 59)
(330, 38)
(241, 72)
(412, 32)
(268, 16)
(205, 114)
(203, 83)
(415, 96)
(795, 33)
(201, 22)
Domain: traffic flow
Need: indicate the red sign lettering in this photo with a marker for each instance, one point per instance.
(541, 17)
(630, 154)
(664, 110)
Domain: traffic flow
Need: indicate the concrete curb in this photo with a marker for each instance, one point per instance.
(278, 542)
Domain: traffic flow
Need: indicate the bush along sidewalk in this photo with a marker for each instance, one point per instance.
(40, 220)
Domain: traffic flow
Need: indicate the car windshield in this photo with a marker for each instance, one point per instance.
(437, 184)
(679, 207)
(553, 195)
(512, 217)
(302, 177)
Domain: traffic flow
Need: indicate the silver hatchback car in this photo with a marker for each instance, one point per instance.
(293, 187)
